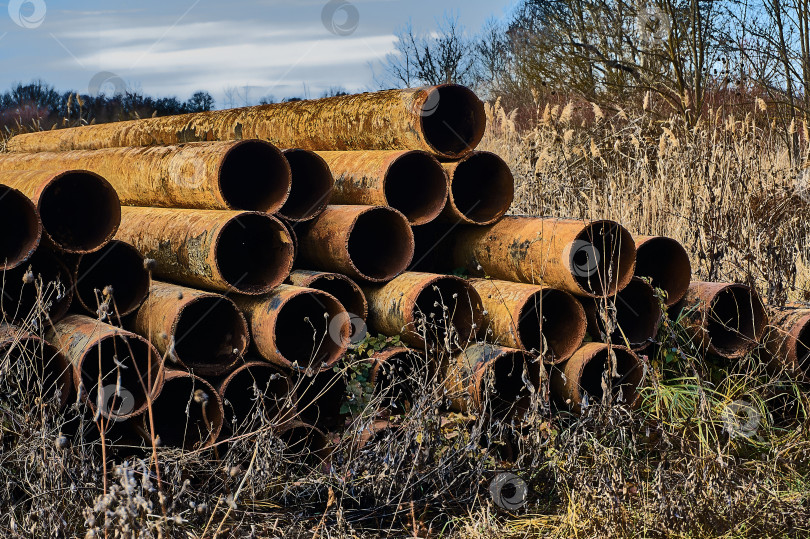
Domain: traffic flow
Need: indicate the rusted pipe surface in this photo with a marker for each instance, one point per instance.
(346, 291)
(45, 372)
(254, 394)
(21, 228)
(42, 285)
(114, 275)
(481, 189)
(666, 262)
(312, 186)
(788, 340)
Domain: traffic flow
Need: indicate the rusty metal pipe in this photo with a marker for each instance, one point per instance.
(579, 380)
(297, 328)
(21, 228)
(788, 340)
(412, 182)
(44, 371)
(727, 319)
(426, 309)
(666, 262)
(395, 375)
(633, 316)
(493, 380)
(79, 210)
(201, 331)
(304, 443)
(43, 285)
(245, 175)
(114, 371)
(586, 258)
(320, 397)
(116, 272)
(544, 320)
(255, 393)
(481, 189)
(371, 243)
(312, 185)
(228, 251)
(346, 291)
(446, 120)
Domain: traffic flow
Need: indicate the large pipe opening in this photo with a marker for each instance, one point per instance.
(80, 211)
(344, 290)
(119, 266)
(381, 244)
(552, 323)
(302, 330)
(735, 321)
(256, 394)
(505, 393)
(187, 413)
(802, 347)
(42, 284)
(255, 176)
(453, 119)
(416, 185)
(666, 262)
(320, 397)
(312, 185)
(602, 258)
(38, 366)
(254, 253)
(20, 225)
(210, 334)
(482, 188)
(638, 315)
(624, 388)
(446, 311)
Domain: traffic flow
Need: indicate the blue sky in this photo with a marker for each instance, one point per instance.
(260, 47)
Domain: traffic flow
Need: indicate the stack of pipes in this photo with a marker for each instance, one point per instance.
(275, 233)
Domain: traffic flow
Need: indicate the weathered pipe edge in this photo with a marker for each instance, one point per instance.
(531, 317)
(446, 120)
(201, 331)
(17, 214)
(666, 262)
(585, 258)
(370, 243)
(482, 189)
(788, 341)
(582, 374)
(117, 265)
(392, 373)
(245, 175)
(79, 210)
(93, 348)
(225, 251)
(412, 181)
(637, 317)
(292, 324)
(492, 377)
(312, 186)
(23, 298)
(290, 226)
(727, 319)
(413, 305)
(53, 369)
(345, 290)
(187, 413)
(240, 398)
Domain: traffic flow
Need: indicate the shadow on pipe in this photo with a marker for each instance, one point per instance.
(396, 376)
(666, 262)
(21, 228)
(631, 318)
(256, 394)
(312, 185)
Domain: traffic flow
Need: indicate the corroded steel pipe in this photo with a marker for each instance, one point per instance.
(79, 210)
(114, 276)
(426, 310)
(580, 380)
(544, 320)
(412, 182)
(304, 443)
(246, 175)
(372, 243)
(788, 340)
(492, 380)
(481, 189)
(187, 413)
(631, 318)
(726, 319)
(338, 285)
(297, 328)
(228, 251)
(255, 393)
(586, 258)
(21, 228)
(320, 397)
(114, 371)
(201, 331)
(446, 120)
(666, 262)
(395, 376)
(312, 185)
(42, 285)
(44, 371)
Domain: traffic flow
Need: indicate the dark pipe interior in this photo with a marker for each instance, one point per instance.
(416, 185)
(304, 443)
(253, 392)
(118, 265)
(483, 187)
(80, 211)
(320, 397)
(20, 226)
(509, 394)
(255, 176)
(345, 291)
(398, 379)
(602, 256)
(803, 349)
(210, 331)
(183, 418)
(251, 254)
(665, 261)
(628, 368)
(20, 300)
(638, 314)
(312, 185)
(735, 320)
(555, 317)
(459, 315)
(43, 371)
(381, 244)
(453, 119)
(302, 330)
